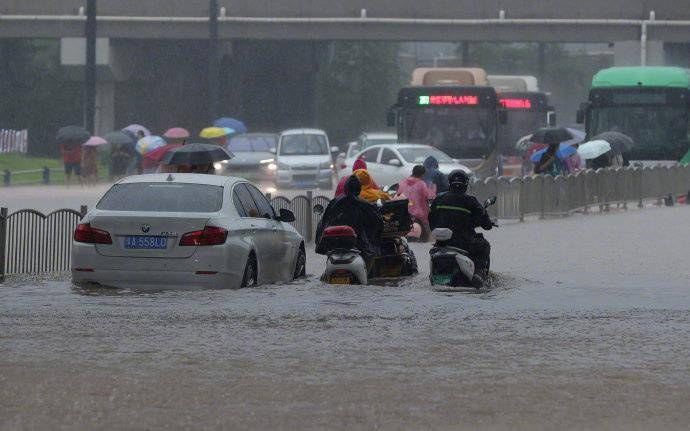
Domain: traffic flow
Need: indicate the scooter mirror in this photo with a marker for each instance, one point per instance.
(318, 209)
(490, 201)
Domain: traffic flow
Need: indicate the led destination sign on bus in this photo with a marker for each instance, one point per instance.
(448, 100)
(515, 103)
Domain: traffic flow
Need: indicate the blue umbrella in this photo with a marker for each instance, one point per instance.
(564, 151)
(231, 123)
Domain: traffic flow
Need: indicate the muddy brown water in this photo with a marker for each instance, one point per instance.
(587, 327)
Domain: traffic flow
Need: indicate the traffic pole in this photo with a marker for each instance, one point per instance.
(213, 61)
(90, 70)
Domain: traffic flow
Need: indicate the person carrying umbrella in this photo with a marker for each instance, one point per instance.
(550, 163)
(70, 139)
(89, 159)
(196, 158)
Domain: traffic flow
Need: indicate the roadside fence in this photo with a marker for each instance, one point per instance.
(12, 141)
(28, 176)
(32, 242)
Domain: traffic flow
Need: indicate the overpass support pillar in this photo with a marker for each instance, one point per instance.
(105, 107)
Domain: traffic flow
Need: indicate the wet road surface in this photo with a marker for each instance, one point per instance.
(588, 327)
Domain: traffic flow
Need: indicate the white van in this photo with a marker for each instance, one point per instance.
(304, 159)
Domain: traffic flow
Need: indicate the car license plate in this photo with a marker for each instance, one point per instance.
(443, 279)
(340, 280)
(146, 242)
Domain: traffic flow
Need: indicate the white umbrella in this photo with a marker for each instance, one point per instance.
(593, 149)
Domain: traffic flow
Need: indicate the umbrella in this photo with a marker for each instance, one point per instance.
(136, 128)
(215, 132)
(176, 133)
(523, 143)
(618, 140)
(197, 154)
(593, 149)
(95, 141)
(72, 134)
(160, 152)
(149, 143)
(119, 138)
(556, 135)
(564, 151)
(231, 123)
(686, 159)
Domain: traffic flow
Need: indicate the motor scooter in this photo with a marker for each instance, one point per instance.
(452, 268)
(345, 263)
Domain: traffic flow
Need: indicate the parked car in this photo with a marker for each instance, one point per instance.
(304, 159)
(254, 156)
(177, 231)
(391, 163)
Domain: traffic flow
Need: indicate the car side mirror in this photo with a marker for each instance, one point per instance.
(318, 209)
(273, 150)
(390, 118)
(551, 119)
(490, 201)
(395, 162)
(335, 149)
(286, 216)
(502, 117)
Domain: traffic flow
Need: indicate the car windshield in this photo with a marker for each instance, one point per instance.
(460, 132)
(163, 197)
(658, 132)
(303, 145)
(418, 155)
(247, 143)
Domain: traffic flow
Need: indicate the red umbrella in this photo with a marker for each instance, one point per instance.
(153, 158)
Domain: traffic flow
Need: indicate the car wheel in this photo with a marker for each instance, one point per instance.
(301, 264)
(250, 273)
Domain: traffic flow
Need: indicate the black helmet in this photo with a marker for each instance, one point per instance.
(458, 181)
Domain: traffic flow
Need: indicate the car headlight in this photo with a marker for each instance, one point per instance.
(272, 166)
(218, 165)
(265, 161)
(326, 165)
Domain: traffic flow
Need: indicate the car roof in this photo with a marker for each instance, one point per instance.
(397, 146)
(213, 180)
(380, 135)
(303, 132)
(275, 135)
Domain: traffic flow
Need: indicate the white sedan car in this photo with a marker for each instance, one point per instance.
(173, 231)
(391, 163)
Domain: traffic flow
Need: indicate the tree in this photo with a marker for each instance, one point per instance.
(356, 85)
(36, 93)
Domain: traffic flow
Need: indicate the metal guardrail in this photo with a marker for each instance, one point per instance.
(10, 177)
(32, 242)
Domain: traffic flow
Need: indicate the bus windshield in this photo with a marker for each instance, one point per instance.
(520, 123)
(658, 132)
(462, 133)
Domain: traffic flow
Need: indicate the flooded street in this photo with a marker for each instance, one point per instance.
(587, 327)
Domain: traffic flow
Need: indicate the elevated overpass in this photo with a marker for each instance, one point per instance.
(431, 20)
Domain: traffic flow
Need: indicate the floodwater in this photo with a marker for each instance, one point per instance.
(587, 327)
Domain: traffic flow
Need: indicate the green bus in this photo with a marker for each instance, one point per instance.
(649, 104)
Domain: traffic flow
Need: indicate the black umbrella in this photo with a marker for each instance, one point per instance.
(552, 135)
(72, 135)
(119, 138)
(197, 154)
(621, 142)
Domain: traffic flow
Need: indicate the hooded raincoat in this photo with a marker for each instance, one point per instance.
(435, 179)
(350, 210)
(369, 191)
